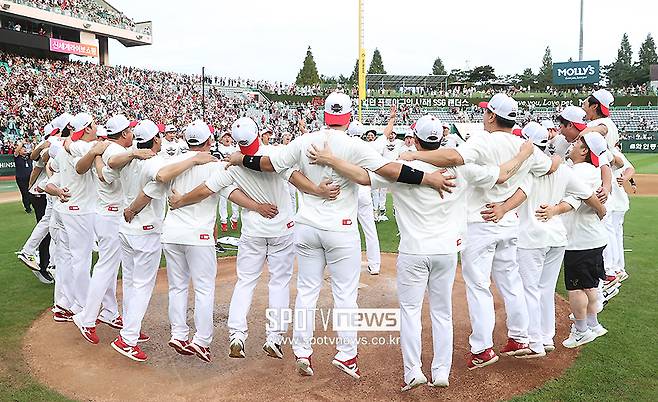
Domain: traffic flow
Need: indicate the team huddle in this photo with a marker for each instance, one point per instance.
(517, 203)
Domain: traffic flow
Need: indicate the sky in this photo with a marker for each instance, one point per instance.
(267, 40)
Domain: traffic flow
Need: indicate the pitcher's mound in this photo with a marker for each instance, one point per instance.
(62, 360)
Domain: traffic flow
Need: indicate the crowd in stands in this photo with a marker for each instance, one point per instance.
(89, 10)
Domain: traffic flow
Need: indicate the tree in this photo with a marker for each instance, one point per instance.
(376, 65)
(482, 74)
(438, 68)
(308, 75)
(527, 78)
(457, 75)
(647, 56)
(545, 74)
(620, 72)
(354, 78)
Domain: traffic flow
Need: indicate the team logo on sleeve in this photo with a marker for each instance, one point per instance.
(204, 236)
(113, 208)
(347, 222)
(74, 208)
(148, 227)
(290, 224)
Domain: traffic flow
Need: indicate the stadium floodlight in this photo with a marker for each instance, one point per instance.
(580, 45)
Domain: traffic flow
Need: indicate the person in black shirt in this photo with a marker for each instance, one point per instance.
(23, 170)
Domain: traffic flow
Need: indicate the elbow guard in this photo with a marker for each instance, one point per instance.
(251, 162)
(410, 175)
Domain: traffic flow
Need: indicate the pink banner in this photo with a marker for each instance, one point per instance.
(81, 49)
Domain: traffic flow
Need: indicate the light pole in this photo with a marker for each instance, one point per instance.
(580, 47)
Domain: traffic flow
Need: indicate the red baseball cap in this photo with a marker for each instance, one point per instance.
(337, 109)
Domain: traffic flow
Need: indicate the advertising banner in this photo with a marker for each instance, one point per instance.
(80, 49)
(576, 72)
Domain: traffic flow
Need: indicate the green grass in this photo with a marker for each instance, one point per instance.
(644, 163)
(620, 366)
(7, 186)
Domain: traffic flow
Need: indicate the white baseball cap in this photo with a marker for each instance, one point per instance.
(548, 124)
(337, 109)
(411, 133)
(145, 131)
(356, 129)
(197, 132)
(101, 132)
(79, 123)
(60, 122)
(245, 133)
(536, 133)
(49, 130)
(169, 128)
(118, 123)
(597, 146)
(428, 128)
(606, 100)
(502, 105)
(576, 115)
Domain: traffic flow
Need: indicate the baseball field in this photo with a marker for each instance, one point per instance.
(620, 366)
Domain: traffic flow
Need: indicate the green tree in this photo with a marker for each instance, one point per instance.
(482, 73)
(647, 56)
(545, 74)
(354, 78)
(457, 75)
(438, 68)
(620, 72)
(376, 65)
(308, 75)
(527, 78)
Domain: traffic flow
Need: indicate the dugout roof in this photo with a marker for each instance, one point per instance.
(375, 81)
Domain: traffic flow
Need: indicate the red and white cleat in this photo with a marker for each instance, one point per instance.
(514, 348)
(482, 359)
(349, 367)
(131, 352)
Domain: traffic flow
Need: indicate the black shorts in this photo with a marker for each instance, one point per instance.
(583, 268)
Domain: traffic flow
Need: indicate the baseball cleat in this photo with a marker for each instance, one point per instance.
(273, 349)
(30, 260)
(623, 275)
(383, 218)
(514, 348)
(63, 316)
(349, 367)
(234, 225)
(373, 271)
(131, 352)
(482, 359)
(598, 330)
(416, 382)
(236, 348)
(44, 277)
(89, 333)
(532, 355)
(224, 227)
(116, 323)
(304, 366)
(179, 346)
(201, 352)
(610, 281)
(439, 383)
(607, 296)
(577, 338)
(549, 347)
(143, 337)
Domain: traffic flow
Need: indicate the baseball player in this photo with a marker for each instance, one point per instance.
(542, 240)
(224, 149)
(285, 140)
(491, 247)
(365, 213)
(389, 146)
(262, 239)
(431, 234)
(170, 145)
(583, 260)
(619, 207)
(325, 232)
(109, 209)
(77, 213)
(408, 145)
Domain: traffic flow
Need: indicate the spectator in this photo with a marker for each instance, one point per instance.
(23, 165)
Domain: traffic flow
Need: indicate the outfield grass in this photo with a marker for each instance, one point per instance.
(644, 163)
(618, 366)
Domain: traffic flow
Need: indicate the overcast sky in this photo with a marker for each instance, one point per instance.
(267, 39)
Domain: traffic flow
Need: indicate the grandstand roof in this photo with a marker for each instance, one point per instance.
(397, 81)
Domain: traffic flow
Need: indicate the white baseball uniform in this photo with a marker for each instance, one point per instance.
(390, 150)
(262, 240)
(63, 295)
(620, 205)
(108, 218)
(169, 149)
(326, 233)
(77, 217)
(541, 248)
(366, 218)
(140, 242)
(189, 246)
(431, 234)
(492, 247)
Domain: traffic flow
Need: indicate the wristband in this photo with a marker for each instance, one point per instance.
(410, 175)
(251, 162)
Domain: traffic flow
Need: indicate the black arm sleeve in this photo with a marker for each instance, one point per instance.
(410, 175)
(251, 162)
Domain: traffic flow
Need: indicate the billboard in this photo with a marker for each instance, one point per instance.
(81, 49)
(576, 72)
